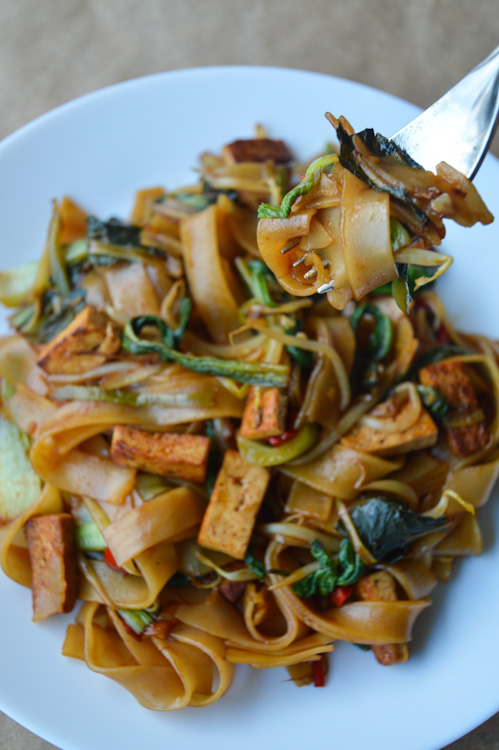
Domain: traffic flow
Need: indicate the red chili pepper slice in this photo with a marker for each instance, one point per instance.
(132, 632)
(341, 594)
(319, 672)
(111, 562)
(284, 437)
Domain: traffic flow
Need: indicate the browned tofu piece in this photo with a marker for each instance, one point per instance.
(264, 414)
(236, 498)
(54, 571)
(164, 453)
(389, 654)
(380, 587)
(257, 149)
(454, 383)
(83, 344)
(377, 587)
(422, 434)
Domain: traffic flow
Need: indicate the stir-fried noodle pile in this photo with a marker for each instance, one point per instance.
(241, 426)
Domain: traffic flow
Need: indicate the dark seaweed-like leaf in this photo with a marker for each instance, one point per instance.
(437, 354)
(58, 312)
(381, 146)
(211, 193)
(383, 149)
(387, 527)
(114, 232)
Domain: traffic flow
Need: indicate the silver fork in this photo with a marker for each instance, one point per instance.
(460, 126)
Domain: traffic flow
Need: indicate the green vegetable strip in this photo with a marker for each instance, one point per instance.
(16, 285)
(312, 177)
(136, 619)
(381, 338)
(130, 398)
(89, 537)
(56, 254)
(20, 486)
(433, 400)
(185, 309)
(437, 354)
(245, 372)
(260, 274)
(399, 235)
(400, 292)
(302, 357)
(256, 275)
(257, 452)
(76, 252)
(105, 254)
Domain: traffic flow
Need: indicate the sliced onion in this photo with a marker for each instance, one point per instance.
(406, 416)
(96, 373)
(442, 504)
(299, 536)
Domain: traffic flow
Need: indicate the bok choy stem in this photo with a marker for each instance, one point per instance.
(131, 398)
(253, 373)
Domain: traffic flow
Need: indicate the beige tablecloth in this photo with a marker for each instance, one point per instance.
(54, 50)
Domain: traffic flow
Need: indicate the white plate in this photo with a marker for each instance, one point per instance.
(99, 149)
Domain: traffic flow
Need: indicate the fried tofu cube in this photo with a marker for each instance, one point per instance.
(264, 414)
(422, 434)
(389, 654)
(257, 149)
(167, 454)
(54, 571)
(85, 343)
(380, 587)
(235, 501)
(377, 587)
(453, 382)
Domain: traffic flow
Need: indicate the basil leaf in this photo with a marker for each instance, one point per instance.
(255, 565)
(344, 571)
(350, 564)
(387, 527)
(307, 587)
